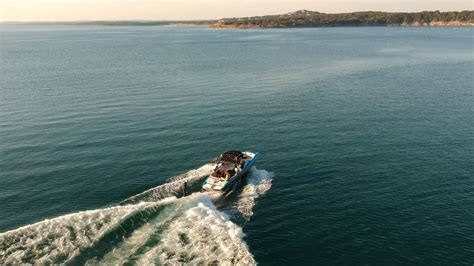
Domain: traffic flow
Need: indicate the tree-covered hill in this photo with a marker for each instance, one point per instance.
(305, 18)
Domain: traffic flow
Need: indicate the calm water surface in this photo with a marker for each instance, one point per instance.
(369, 132)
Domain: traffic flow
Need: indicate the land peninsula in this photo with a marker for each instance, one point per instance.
(306, 18)
(301, 18)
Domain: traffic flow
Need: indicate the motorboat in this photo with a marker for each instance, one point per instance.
(231, 168)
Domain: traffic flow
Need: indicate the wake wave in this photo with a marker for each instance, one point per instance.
(151, 228)
(173, 187)
(202, 235)
(61, 239)
(258, 183)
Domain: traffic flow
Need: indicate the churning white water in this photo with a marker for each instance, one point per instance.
(153, 227)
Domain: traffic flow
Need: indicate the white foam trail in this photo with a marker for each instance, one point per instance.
(139, 241)
(174, 185)
(192, 232)
(181, 231)
(172, 231)
(258, 183)
(195, 173)
(203, 235)
(62, 238)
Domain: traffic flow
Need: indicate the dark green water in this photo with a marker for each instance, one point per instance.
(369, 134)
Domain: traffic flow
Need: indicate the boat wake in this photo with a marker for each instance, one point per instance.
(173, 187)
(153, 227)
(258, 183)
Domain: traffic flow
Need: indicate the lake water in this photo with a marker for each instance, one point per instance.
(366, 136)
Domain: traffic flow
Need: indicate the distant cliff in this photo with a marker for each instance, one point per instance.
(305, 18)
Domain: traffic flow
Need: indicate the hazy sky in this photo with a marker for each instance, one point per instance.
(53, 10)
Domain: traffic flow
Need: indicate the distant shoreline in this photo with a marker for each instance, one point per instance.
(113, 23)
(427, 25)
(306, 18)
(298, 19)
(213, 26)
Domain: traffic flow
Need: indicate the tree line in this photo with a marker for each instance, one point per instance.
(304, 18)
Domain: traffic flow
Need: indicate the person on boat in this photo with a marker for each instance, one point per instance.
(220, 172)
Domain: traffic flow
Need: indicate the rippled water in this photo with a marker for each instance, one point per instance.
(367, 131)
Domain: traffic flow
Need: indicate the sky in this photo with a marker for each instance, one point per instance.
(68, 10)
